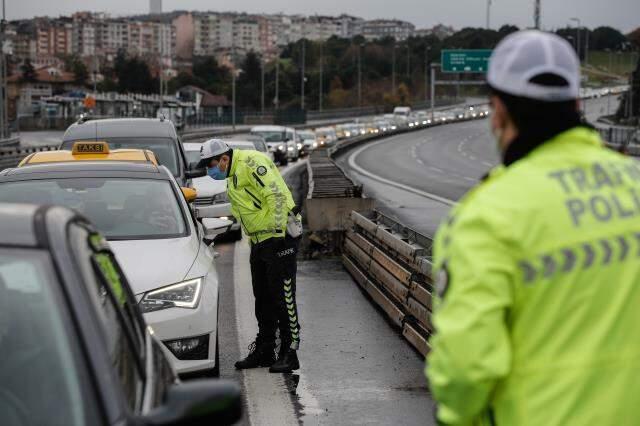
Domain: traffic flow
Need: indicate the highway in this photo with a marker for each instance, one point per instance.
(355, 367)
(416, 177)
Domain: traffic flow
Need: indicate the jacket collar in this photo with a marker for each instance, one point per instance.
(524, 144)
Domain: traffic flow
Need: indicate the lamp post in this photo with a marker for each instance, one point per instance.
(393, 69)
(427, 49)
(578, 25)
(360, 76)
(321, 76)
(262, 86)
(302, 76)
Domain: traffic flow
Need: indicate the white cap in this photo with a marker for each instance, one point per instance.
(212, 148)
(525, 55)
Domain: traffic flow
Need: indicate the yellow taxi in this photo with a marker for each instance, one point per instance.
(90, 151)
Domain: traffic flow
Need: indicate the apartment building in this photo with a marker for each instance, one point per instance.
(381, 28)
(54, 37)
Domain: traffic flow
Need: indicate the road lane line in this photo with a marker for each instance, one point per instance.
(485, 163)
(356, 167)
(435, 169)
(268, 399)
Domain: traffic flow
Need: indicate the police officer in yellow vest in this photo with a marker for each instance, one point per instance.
(262, 203)
(537, 313)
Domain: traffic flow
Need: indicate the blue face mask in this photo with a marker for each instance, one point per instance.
(216, 174)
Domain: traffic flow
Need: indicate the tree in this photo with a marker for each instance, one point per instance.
(211, 75)
(133, 75)
(337, 95)
(606, 38)
(80, 72)
(634, 37)
(248, 89)
(28, 71)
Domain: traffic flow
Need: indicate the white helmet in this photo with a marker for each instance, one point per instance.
(210, 149)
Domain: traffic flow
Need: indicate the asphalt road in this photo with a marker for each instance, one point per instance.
(416, 177)
(356, 368)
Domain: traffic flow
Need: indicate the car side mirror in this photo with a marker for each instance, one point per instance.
(213, 227)
(198, 402)
(190, 194)
(195, 172)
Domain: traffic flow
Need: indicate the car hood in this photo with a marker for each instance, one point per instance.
(206, 186)
(150, 264)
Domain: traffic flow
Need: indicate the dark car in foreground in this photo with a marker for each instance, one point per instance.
(76, 350)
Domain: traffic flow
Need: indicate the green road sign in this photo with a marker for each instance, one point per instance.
(465, 60)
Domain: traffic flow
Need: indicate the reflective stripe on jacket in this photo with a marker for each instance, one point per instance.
(537, 314)
(260, 199)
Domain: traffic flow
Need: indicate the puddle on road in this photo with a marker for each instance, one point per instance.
(304, 403)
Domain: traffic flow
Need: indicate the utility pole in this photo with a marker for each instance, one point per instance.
(359, 76)
(408, 59)
(161, 85)
(393, 69)
(277, 99)
(321, 74)
(233, 80)
(536, 14)
(577, 37)
(426, 72)
(95, 74)
(586, 47)
(5, 132)
(488, 14)
(262, 86)
(302, 76)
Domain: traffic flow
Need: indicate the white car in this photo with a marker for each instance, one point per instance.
(211, 192)
(144, 214)
(326, 136)
(282, 141)
(309, 142)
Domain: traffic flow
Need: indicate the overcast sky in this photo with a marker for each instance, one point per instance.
(621, 14)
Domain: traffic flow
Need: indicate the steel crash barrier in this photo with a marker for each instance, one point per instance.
(10, 157)
(392, 264)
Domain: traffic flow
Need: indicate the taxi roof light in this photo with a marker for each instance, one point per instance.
(83, 148)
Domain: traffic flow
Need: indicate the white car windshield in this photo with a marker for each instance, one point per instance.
(270, 136)
(122, 209)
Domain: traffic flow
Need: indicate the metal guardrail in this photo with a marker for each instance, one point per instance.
(10, 142)
(392, 263)
(11, 157)
(326, 180)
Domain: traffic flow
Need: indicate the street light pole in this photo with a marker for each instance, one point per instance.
(233, 81)
(321, 74)
(488, 14)
(393, 69)
(277, 99)
(262, 86)
(578, 23)
(5, 132)
(359, 76)
(302, 77)
(426, 72)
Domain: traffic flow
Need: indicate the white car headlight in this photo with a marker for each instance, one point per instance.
(315, 144)
(181, 295)
(221, 198)
(299, 146)
(280, 147)
(289, 148)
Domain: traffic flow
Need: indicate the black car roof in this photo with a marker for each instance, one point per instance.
(80, 169)
(120, 128)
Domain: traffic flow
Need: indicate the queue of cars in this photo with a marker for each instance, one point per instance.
(109, 299)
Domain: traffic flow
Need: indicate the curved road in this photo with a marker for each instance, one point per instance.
(416, 177)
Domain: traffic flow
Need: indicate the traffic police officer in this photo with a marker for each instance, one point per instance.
(536, 269)
(262, 203)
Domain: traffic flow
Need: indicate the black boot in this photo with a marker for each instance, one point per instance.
(286, 363)
(259, 356)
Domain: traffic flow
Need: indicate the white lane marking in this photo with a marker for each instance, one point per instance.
(472, 158)
(435, 169)
(268, 400)
(469, 179)
(353, 165)
(486, 163)
(419, 161)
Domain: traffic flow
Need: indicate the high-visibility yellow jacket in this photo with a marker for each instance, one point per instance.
(260, 198)
(537, 272)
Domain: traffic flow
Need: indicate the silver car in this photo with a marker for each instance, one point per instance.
(145, 215)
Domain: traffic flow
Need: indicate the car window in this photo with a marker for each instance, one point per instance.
(42, 379)
(192, 156)
(260, 146)
(122, 209)
(164, 149)
(270, 136)
(115, 307)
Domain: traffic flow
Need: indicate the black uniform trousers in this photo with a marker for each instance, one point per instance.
(273, 277)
